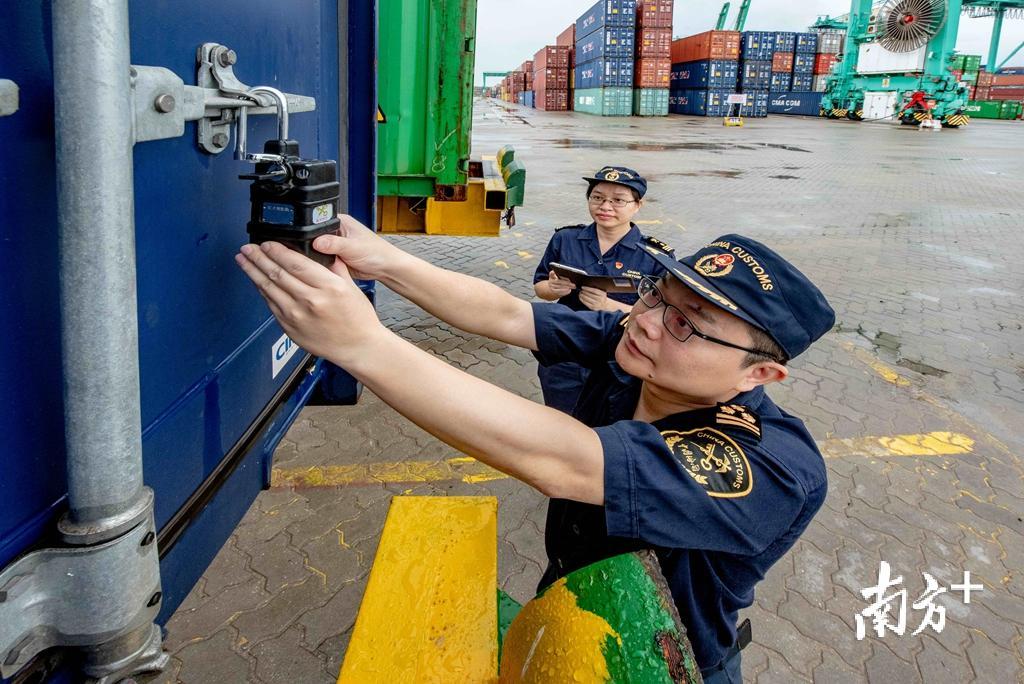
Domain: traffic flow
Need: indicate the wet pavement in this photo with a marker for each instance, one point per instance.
(915, 399)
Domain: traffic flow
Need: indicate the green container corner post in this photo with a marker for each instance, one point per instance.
(426, 51)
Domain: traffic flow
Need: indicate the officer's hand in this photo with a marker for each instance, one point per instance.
(593, 298)
(363, 254)
(324, 312)
(559, 286)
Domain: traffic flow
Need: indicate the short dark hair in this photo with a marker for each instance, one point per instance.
(636, 195)
(767, 349)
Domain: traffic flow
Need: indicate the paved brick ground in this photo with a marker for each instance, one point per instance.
(915, 239)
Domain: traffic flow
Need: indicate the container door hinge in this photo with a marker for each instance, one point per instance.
(86, 596)
(163, 103)
(8, 97)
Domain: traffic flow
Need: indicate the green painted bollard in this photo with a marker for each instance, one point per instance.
(613, 621)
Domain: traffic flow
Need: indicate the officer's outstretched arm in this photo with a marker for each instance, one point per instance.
(468, 303)
(329, 316)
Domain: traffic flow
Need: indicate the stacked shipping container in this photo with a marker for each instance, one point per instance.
(705, 69)
(603, 75)
(568, 39)
(551, 78)
(653, 66)
(757, 64)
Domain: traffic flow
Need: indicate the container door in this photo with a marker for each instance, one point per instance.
(220, 382)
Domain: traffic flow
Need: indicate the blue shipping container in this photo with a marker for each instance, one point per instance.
(698, 102)
(785, 41)
(757, 45)
(529, 99)
(605, 73)
(756, 104)
(714, 73)
(803, 104)
(806, 42)
(781, 81)
(802, 82)
(803, 63)
(606, 13)
(608, 41)
(217, 382)
(755, 75)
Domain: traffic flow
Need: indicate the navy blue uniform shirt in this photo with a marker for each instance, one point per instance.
(579, 246)
(720, 494)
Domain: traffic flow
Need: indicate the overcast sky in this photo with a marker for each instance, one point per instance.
(510, 31)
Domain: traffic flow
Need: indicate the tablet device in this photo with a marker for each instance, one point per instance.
(580, 278)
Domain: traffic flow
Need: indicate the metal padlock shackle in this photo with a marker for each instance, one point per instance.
(242, 125)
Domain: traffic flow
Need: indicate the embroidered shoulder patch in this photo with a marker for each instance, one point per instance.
(738, 416)
(578, 225)
(659, 244)
(713, 460)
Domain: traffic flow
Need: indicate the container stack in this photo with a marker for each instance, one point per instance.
(830, 47)
(782, 62)
(605, 40)
(568, 39)
(705, 71)
(551, 78)
(653, 65)
(1008, 84)
(966, 68)
(757, 53)
(804, 58)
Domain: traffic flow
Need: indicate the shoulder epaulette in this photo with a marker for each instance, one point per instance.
(578, 225)
(727, 417)
(655, 242)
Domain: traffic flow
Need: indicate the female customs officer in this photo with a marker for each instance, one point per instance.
(611, 245)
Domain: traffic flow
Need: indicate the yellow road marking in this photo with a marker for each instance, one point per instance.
(530, 223)
(652, 222)
(518, 234)
(501, 264)
(524, 254)
(888, 374)
(470, 470)
(681, 226)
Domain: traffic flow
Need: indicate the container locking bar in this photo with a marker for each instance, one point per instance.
(163, 103)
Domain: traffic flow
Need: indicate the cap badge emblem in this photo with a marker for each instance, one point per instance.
(715, 265)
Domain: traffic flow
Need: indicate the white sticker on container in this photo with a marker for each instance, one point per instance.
(323, 213)
(281, 353)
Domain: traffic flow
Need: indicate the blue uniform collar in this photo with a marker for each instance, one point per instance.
(630, 240)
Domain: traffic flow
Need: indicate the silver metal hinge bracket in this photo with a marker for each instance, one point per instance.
(84, 596)
(163, 103)
(8, 97)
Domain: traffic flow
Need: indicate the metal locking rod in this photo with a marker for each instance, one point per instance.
(242, 131)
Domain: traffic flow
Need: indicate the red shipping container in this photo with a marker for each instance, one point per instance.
(1008, 80)
(551, 100)
(551, 79)
(823, 63)
(567, 37)
(517, 81)
(981, 93)
(707, 45)
(1006, 92)
(782, 61)
(653, 42)
(551, 56)
(985, 79)
(529, 80)
(526, 67)
(652, 72)
(957, 73)
(654, 13)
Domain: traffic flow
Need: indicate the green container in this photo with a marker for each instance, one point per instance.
(650, 102)
(604, 101)
(979, 109)
(1010, 109)
(956, 62)
(969, 77)
(425, 59)
(972, 62)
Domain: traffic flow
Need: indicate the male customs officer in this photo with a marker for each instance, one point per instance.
(674, 444)
(611, 245)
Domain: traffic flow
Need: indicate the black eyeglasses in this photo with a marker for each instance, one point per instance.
(676, 322)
